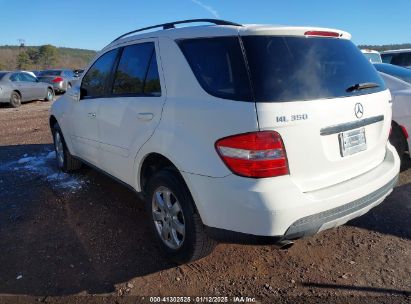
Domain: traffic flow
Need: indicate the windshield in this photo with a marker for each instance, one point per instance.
(50, 73)
(396, 71)
(300, 68)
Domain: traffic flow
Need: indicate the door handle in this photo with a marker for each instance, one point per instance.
(145, 116)
(92, 115)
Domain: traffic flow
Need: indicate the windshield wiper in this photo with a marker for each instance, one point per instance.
(362, 86)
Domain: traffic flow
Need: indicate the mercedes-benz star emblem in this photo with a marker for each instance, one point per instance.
(358, 110)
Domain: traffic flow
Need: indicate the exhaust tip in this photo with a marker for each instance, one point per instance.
(285, 244)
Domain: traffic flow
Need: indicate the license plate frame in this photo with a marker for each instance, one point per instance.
(352, 141)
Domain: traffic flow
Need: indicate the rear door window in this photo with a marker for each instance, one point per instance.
(96, 81)
(15, 77)
(132, 69)
(302, 68)
(218, 65)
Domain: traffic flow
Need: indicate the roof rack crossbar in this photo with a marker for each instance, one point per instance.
(170, 25)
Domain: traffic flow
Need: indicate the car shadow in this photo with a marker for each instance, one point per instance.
(82, 233)
(393, 215)
(376, 290)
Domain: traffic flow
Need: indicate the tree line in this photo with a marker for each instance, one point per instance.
(43, 57)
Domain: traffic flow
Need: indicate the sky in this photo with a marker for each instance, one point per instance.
(92, 24)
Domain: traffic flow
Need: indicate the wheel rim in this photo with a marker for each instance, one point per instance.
(168, 217)
(15, 98)
(58, 143)
(49, 95)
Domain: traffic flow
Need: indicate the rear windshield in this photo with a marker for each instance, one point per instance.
(50, 73)
(373, 57)
(2, 75)
(279, 68)
(300, 68)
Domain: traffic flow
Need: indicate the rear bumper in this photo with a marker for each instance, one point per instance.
(275, 207)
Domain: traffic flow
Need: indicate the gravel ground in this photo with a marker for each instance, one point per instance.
(66, 237)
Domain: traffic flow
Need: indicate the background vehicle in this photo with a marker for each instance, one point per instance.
(394, 70)
(17, 87)
(373, 56)
(401, 114)
(397, 57)
(172, 114)
(61, 80)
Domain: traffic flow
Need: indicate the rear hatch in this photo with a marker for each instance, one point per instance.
(325, 99)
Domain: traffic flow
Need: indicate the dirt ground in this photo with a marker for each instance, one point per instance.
(63, 238)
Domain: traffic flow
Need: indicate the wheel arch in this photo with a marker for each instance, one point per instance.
(151, 163)
(404, 132)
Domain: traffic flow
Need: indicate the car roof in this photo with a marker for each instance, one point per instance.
(369, 51)
(201, 31)
(396, 51)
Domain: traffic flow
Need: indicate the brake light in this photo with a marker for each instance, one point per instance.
(57, 79)
(257, 154)
(322, 34)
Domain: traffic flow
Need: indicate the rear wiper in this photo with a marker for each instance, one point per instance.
(362, 86)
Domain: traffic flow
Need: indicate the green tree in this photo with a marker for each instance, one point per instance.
(34, 55)
(23, 61)
(48, 55)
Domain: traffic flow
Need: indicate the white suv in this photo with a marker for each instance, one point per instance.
(256, 134)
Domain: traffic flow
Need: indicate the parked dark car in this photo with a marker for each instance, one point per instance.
(16, 87)
(61, 80)
(397, 57)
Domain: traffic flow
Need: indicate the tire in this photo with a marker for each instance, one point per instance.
(194, 242)
(397, 139)
(15, 99)
(50, 95)
(65, 161)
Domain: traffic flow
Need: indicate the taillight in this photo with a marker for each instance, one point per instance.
(322, 34)
(57, 79)
(257, 154)
(404, 131)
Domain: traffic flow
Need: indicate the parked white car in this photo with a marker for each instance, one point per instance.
(401, 114)
(258, 134)
(372, 55)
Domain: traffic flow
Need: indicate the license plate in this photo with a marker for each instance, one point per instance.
(352, 141)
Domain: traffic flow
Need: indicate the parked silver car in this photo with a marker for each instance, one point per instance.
(17, 87)
(61, 79)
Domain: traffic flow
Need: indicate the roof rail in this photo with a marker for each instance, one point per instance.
(170, 25)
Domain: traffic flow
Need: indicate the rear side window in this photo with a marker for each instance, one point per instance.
(218, 65)
(402, 59)
(152, 83)
(301, 68)
(95, 82)
(27, 77)
(15, 77)
(133, 68)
